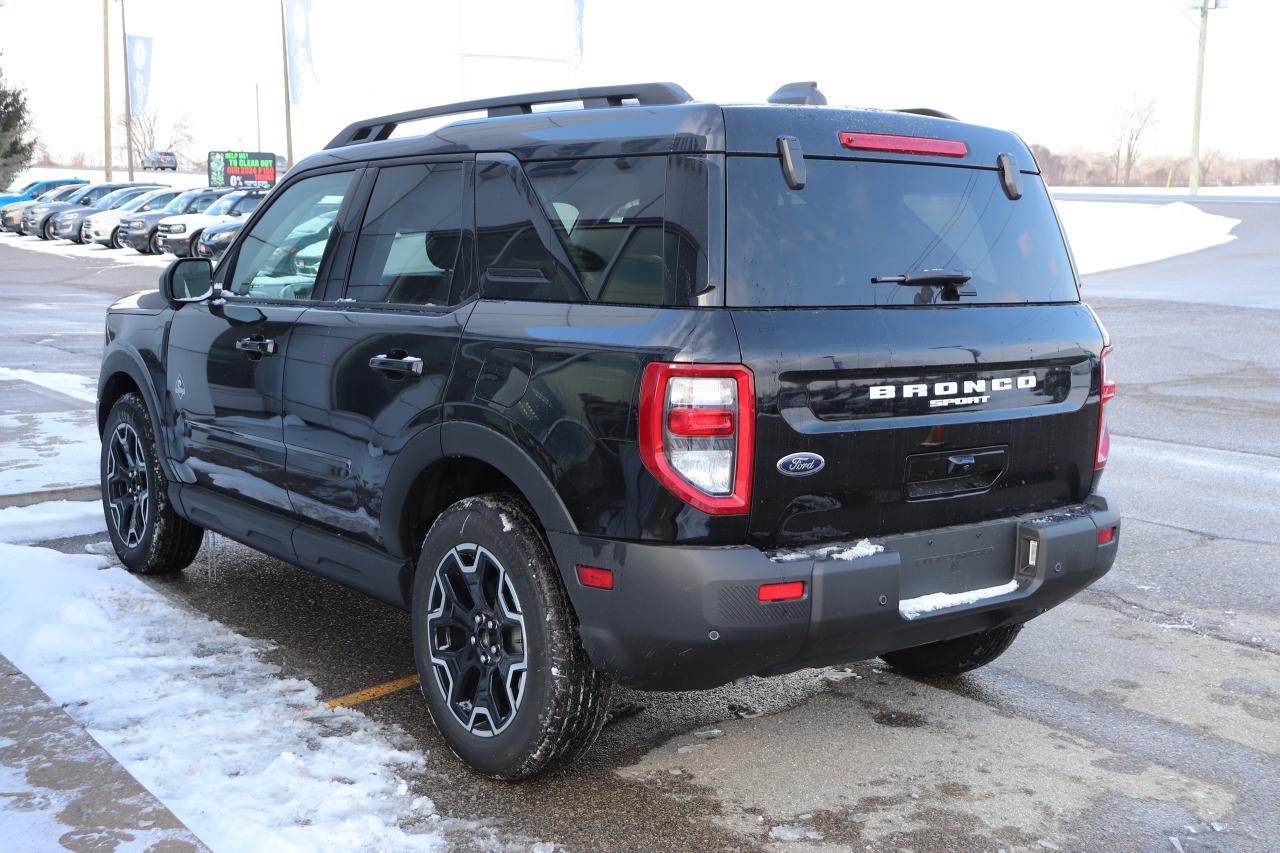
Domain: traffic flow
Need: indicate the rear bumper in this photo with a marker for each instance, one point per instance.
(689, 618)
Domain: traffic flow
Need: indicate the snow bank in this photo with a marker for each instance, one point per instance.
(71, 384)
(238, 753)
(51, 520)
(67, 249)
(914, 608)
(1108, 235)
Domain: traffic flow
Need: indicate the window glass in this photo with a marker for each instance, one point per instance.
(409, 248)
(280, 257)
(858, 220)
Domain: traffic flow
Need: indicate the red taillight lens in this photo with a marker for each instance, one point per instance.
(1108, 392)
(903, 144)
(697, 433)
(597, 578)
(700, 422)
(788, 591)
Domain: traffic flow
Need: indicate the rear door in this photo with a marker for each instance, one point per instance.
(917, 406)
(368, 370)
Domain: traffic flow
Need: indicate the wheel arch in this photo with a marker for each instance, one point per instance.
(122, 373)
(449, 462)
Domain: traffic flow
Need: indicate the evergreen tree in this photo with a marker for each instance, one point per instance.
(17, 143)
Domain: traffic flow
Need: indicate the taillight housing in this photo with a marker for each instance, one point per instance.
(697, 433)
(1107, 387)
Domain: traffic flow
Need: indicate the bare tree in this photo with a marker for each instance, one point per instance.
(1131, 123)
(149, 134)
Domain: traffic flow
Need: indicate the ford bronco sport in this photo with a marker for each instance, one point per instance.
(613, 386)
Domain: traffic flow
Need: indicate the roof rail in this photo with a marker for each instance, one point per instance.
(597, 97)
(926, 111)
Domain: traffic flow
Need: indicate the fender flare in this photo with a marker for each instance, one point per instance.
(464, 440)
(128, 362)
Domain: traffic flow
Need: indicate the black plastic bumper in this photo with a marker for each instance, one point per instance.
(689, 618)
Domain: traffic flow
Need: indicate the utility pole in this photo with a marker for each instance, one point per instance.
(284, 56)
(128, 92)
(257, 111)
(106, 86)
(1193, 184)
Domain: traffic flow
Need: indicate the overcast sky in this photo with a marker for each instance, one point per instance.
(1055, 71)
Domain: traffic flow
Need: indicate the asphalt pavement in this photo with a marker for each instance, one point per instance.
(1143, 715)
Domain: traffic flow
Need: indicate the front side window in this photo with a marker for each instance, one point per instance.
(281, 256)
(410, 245)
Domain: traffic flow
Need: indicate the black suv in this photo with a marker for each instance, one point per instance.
(636, 389)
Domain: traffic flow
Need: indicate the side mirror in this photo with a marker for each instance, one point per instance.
(188, 280)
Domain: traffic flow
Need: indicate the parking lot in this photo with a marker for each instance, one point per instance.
(1143, 715)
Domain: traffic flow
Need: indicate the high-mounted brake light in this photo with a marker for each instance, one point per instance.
(1108, 392)
(903, 144)
(697, 433)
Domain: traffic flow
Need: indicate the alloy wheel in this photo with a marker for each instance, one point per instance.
(476, 638)
(128, 485)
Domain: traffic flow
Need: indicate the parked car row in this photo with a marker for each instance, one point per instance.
(149, 217)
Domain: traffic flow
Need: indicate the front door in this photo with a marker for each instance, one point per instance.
(226, 358)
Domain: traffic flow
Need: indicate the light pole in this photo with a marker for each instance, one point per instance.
(284, 56)
(1193, 183)
(106, 86)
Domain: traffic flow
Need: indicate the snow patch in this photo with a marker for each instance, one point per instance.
(191, 709)
(1107, 235)
(914, 608)
(50, 520)
(788, 832)
(863, 548)
(71, 384)
(48, 450)
(507, 526)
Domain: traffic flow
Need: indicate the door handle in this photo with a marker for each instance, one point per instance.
(394, 363)
(256, 346)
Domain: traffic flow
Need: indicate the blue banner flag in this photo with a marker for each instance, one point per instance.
(298, 38)
(580, 7)
(139, 82)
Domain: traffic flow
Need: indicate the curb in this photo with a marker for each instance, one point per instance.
(76, 493)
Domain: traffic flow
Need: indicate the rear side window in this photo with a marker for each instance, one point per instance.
(858, 220)
(410, 243)
(589, 230)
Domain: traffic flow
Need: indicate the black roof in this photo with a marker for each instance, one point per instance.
(659, 118)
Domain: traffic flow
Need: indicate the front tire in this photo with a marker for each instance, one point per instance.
(116, 242)
(503, 671)
(153, 244)
(149, 537)
(949, 658)
(46, 230)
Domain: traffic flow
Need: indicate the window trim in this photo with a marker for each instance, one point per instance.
(340, 278)
(225, 270)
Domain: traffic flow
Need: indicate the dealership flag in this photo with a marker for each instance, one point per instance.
(139, 72)
(298, 38)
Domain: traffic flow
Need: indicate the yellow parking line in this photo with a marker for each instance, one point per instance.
(372, 692)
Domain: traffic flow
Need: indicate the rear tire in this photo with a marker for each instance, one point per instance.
(949, 658)
(149, 537)
(512, 693)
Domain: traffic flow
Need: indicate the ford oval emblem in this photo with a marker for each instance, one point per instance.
(801, 464)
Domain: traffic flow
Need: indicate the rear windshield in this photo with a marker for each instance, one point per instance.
(858, 220)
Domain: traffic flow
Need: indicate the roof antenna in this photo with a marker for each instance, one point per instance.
(799, 93)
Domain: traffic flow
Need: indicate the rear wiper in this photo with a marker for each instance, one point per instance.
(934, 278)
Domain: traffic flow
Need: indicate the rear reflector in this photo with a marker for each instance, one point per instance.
(1106, 535)
(903, 144)
(593, 577)
(789, 591)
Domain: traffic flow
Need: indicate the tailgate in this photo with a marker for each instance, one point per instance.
(921, 417)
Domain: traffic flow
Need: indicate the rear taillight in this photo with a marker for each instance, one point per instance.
(697, 428)
(1108, 391)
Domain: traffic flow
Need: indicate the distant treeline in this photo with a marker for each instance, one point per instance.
(1078, 168)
